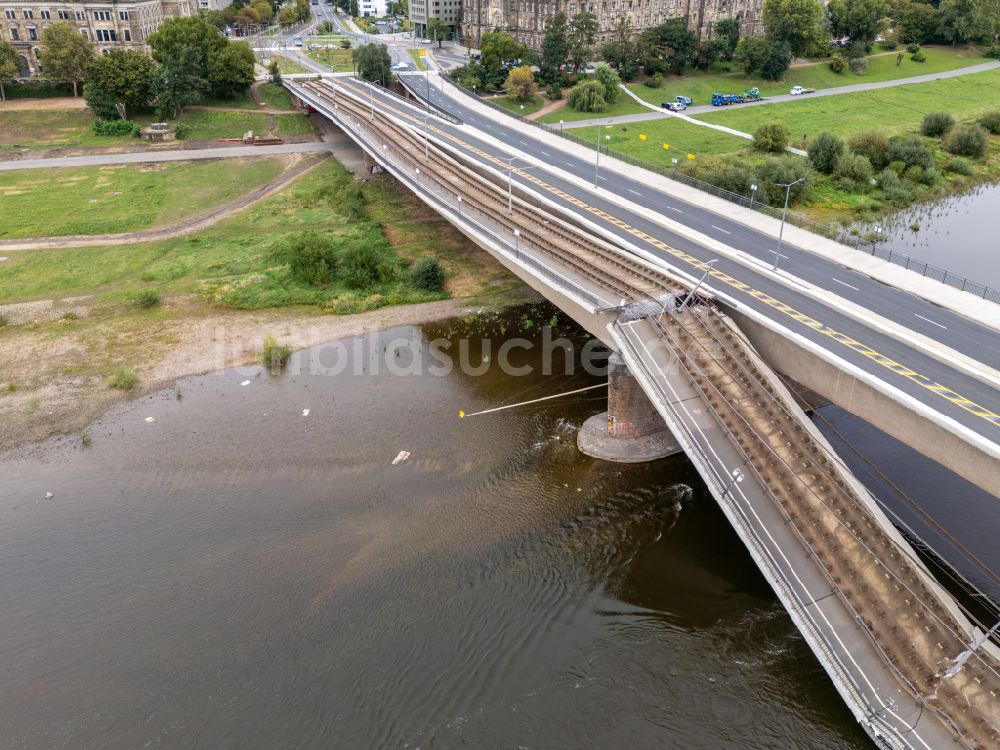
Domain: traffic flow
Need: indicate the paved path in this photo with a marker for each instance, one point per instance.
(836, 90)
(142, 157)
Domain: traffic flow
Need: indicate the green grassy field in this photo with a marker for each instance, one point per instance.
(211, 125)
(275, 96)
(90, 200)
(535, 104)
(881, 67)
(289, 66)
(242, 100)
(42, 129)
(296, 124)
(625, 105)
(338, 60)
(234, 263)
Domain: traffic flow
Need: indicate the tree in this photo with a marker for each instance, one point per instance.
(710, 50)
(797, 22)
(728, 30)
(231, 69)
(587, 96)
(771, 137)
(608, 78)
(917, 22)
(9, 65)
(668, 47)
(824, 151)
(582, 35)
(178, 80)
(194, 33)
(955, 21)
(66, 54)
(987, 16)
(621, 52)
(498, 52)
(861, 20)
(372, 62)
(778, 60)
(555, 47)
(119, 82)
(751, 53)
(275, 70)
(437, 30)
(520, 84)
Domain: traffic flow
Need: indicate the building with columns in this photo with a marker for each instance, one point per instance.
(525, 19)
(109, 24)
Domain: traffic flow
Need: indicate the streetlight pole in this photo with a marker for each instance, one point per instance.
(560, 128)
(510, 184)
(753, 193)
(426, 157)
(460, 205)
(517, 242)
(597, 161)
(781, 232)
(697, 286)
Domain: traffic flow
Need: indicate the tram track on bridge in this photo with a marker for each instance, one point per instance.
(875, 574)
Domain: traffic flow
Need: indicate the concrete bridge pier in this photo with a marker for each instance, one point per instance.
(631, 430)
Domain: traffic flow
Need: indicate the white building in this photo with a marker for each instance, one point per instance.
(372, 8)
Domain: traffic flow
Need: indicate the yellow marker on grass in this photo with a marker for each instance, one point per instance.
(666, 146)
(642, 136)
(690, 156)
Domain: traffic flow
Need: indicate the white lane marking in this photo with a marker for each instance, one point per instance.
(603, 177)
(725, 231)
(523, 143)
(545, 152)
(846, 284)
(675, 209)
(635, 192)
(931, 321)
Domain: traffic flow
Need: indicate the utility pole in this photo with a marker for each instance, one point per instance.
(781, 232)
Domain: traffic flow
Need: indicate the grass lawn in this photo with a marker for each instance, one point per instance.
(288, 66)
(210, 125)
(297, 124)
(338, 60)
(275, 96)
(236, 262)
(417, 59)
(243, 100)
(625, 105)
(42, 129)
(91, 200)
(881, 67)
(682, 138)
(519, 108)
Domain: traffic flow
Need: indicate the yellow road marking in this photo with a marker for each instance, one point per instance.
(863, 349)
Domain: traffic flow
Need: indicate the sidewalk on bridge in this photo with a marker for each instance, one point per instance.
(975, 308)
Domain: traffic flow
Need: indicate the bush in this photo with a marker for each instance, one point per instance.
(914, 173)
(654, 81)
(910, 151)
(735, 177)
(428, 275)
(936, 124)
(824, 151)
(872, 145)
(889, 44)
(993, 52)
(554, 92)
(913, 48)
(854, 168)
(958, 165)
(311, 258)
(782, 171)
(146, 299)
(918, 57)
(364, 266)
(115, 128)
(894, 189)
(520, 84)
(930, 176)
(182, 130)
(771, 137)
(859, 66)
(967, 140)
(273, 354)
(123, 379)
(838, 63)
(3, 321)
(991, 121)
(587, 96)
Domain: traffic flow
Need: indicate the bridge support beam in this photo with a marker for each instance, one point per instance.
(631, 430)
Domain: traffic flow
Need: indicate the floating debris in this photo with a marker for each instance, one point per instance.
(305, 412)
(49, 496)
(403, 455)
(245, 382)
(150, 419)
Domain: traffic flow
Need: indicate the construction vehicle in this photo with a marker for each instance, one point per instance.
(724, 100)
(751, 95)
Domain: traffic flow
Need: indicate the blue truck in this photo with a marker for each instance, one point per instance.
(724, 100)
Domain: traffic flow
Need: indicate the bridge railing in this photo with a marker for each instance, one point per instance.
(827, 230)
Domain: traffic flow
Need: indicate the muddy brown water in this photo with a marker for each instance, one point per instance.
(234, 574)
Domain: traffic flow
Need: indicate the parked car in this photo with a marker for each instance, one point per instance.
(298, 41)
(798, 91)
(427, 41)
(675, 106)
(400, 66)
(687, 101)
(590, 69)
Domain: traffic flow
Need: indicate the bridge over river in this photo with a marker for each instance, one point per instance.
(703, 336)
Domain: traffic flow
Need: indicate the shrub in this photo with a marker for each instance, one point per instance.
(364, 266)
(115, 128)
(146, 299)
(854, 168)
(991, 121)
(913, 48)
(918, 57)
(993, 52)
(782, 171)
(311, 258)
(771, 137)
(838, 63)
(123, 379)
(936, 124)
(967, 140)
(909, 150)
(587, 96)
(428, 275)
(958, 165)
(735, 177)
(872, 145)
(554, 92)
(859, 66)
(894, 189)
(824, 151)
(654, 81)
(914, 173)
(520, 84)
(889, 44)
(182, 130)
(273, 354)
(3, 321)
(898, 167)
(930, 176)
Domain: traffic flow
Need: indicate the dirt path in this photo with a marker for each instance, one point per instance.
(550, 107)
(59, 102)
(297, 167)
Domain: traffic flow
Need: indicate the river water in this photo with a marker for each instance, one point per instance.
(957, 234)
(236, 574)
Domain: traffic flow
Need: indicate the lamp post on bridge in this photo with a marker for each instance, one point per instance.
(708, 269)
(510, 183)
(753, 194)
(781, 232)
(597, 162)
